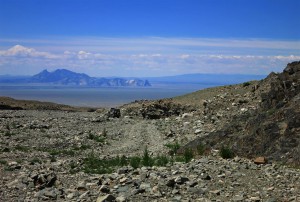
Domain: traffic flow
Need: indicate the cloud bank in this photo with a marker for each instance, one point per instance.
(152, 56)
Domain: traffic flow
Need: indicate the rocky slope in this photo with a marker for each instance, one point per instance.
(58, 154)
(269, 122)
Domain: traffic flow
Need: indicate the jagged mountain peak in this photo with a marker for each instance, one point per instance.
(67, 77)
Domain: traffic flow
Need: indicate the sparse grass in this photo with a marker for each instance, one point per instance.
(271, 111)
(93, 164)
(188, 155)
(104, 132)
(123, 161)
(173, 148)
(97, 138)
(55, 152)
(82, 147)
(146, 159)
(226, 153)
(22, 148)
(6, 149)
(161, 160)
(66, 152)
(179, 159)
(53, 159)
(3, 162)
(36, 160)
(9, 134)
(201, 149)
(7, 168)
(135, 161)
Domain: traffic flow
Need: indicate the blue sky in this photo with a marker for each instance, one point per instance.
(148, 37)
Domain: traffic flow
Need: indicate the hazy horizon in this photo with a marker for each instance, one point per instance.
(148, 38)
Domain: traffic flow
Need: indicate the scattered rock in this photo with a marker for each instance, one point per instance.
(106, 198)
(260, 160)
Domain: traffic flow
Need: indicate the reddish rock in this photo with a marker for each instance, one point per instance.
(260, 160)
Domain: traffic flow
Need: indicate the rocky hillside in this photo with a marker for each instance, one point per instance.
(7, 103)
(268, 123)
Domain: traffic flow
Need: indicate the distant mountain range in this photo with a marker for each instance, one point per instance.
(208, 79)
(69, 78)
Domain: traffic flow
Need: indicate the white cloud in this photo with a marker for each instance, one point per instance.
(151, 56)
(83, 55)
(22, 51)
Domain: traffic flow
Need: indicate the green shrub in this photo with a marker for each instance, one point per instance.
(226, 153)
(246, 84)
(123, 161)
(135, 161)
(147, 160)
(188, 155)
(3, 162)
(161, 160)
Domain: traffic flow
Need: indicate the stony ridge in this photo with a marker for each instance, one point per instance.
(271, 125)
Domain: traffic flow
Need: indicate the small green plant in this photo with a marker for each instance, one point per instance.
(271, 111)
(147, 160)
(9, 134)
(19, 161)
(6, 149)
(82, 147)
(54, 152)
(92, 164)
(96, 138)
(226, 153)
(135, 161)
(179, 159)
(123, 161)
(246, 84)
(7, 168)
(104, 132)
(3, 162)
(201, 149)
(22, 148)
(53, 158)
(36, 160)
(188, 155)
(173, 148)
(161, 160)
